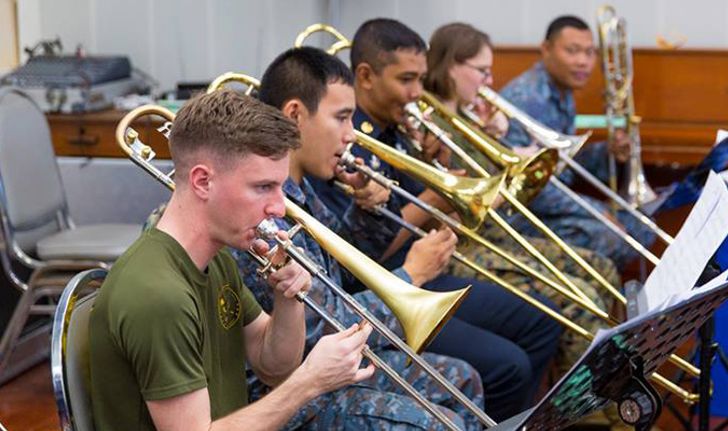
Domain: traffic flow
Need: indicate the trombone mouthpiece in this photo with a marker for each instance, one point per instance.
(347, 159)
(412, 109)
(267, 229)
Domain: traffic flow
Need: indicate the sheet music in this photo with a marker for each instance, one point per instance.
(682, 263)
(684, 296)
(720, 135)
(724, 175)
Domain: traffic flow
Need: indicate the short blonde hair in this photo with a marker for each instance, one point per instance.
(229, 125)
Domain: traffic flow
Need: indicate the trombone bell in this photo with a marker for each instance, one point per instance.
(526, 177)
(469, 197)
(421, 313)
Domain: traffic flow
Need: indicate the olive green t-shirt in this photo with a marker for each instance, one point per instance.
(160, 327)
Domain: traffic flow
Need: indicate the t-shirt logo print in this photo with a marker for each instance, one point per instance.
(228, 306)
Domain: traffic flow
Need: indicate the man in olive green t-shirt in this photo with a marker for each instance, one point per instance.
(173, 326)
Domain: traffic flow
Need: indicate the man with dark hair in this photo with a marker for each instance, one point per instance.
(173, 326)
(377, 40)
(501, 336)
(545, 92)
(315, 90)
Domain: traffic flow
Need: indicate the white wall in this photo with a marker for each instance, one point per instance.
(524, 22)
(176, 40)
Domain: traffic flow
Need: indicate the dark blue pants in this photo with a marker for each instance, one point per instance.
(508, 341)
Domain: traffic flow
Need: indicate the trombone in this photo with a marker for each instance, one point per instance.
(618, 78)
(568, 146)
(476, 135)
(342, 42)
(508, 160)
(530, 172)
(421, 316)
(495, 151)
(268, 229)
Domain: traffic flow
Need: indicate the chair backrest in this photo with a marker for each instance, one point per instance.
(31, 193)
(69, 352)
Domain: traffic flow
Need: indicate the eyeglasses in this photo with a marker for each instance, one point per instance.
(486, 71)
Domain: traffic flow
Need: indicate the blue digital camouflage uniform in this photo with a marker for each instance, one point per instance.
(536, 94)
(515, 356)
(378, 403)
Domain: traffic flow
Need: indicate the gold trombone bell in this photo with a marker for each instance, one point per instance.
(526, 177)
(469, 197)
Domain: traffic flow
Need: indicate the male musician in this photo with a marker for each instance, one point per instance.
(315, 90)
(545, 92)
(173, 326)
(388, 60)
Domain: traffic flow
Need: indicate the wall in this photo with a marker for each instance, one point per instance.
(177, 40)
(174, 40)
(524, 22)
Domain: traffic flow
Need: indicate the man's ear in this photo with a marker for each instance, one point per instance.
(200, 180)
(545, 48)
(364, 74)
(295, 110)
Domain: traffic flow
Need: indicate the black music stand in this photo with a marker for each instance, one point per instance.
(614, 368)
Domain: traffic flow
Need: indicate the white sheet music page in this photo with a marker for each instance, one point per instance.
(684, 260)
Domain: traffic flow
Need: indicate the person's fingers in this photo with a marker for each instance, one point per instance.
(364, 373)
(260, 247)
(300, 283)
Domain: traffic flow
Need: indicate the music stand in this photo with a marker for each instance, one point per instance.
(615, 367)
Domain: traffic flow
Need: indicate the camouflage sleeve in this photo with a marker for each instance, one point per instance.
(594, 157)
(371, 233)
(517, 135)
(263, 293)
(154, 217)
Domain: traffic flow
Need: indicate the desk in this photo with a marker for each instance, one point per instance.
(92, 134)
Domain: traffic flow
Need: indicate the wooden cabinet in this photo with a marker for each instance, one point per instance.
(93, 134)
(680, 95)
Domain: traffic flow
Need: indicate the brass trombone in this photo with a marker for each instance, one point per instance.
(494, 150)
(567, 145)
(342, 42)
(421, 315)
(618, 79)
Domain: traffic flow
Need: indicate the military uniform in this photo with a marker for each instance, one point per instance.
(509, 345)
(535, 93)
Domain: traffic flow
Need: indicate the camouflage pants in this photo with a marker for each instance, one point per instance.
(379, 404)
(572, 345)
